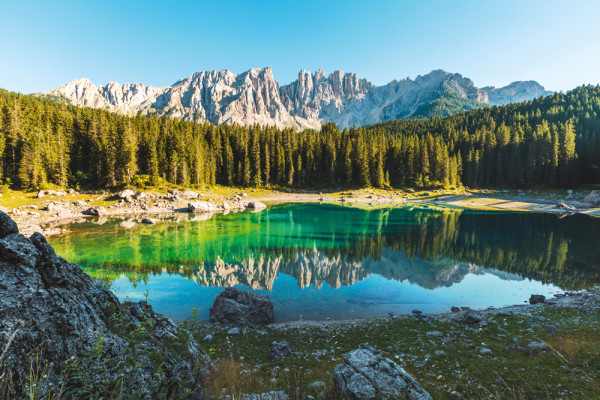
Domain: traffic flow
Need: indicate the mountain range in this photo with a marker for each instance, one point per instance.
(255, 97)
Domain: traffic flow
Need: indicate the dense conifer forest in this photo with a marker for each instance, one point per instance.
(551, 141)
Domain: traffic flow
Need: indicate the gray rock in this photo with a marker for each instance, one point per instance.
(593, 198)
(537, 299)
(150, 221)
(535, 319)
(317, 385)
(202, 207)
(47, 302)
(243, 308)
(472, 317)
(486, 352)
(186, 195)
(256, 205)
(55, 207)
(368, 375)
(434, 334)
(234, 332)
(454, 309)
(95, 211)
(536, 347)
(127, 194)
(7, 225)
(274, 395)
(54, 193)
(280, 350)
(550, 328)
(208, 338)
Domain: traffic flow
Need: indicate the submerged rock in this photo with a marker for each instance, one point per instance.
(238, 307)
(50, 310)
(368, 375)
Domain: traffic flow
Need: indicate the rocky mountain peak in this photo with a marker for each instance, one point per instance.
(255, 97)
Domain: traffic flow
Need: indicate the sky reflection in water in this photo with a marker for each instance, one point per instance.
(326, 261)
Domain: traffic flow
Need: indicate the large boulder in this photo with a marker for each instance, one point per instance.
(368, 375)
(95, 211)
(593, 198)
(537, 299)
(55, 207)
(202, 207)
(126, 194)
(256, 205)
(239, 307)
(57, 317)
(7, 225)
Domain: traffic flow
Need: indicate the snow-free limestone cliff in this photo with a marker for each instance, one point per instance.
(255, 97)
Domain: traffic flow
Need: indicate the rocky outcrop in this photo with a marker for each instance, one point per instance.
(593, 198)
(239, 307)
(255, 97)
(56, 316)
(203, 207)
(368, 375)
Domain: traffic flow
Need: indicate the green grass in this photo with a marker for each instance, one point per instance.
(572, 365)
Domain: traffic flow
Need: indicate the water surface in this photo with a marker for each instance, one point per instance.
(328, 261)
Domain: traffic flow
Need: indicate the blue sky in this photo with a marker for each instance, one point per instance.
(47, 43)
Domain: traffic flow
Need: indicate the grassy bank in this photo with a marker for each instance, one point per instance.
(451, 359)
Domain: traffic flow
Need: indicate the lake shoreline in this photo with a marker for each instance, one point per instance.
(503, 349)
(566, 299)
(33, 214)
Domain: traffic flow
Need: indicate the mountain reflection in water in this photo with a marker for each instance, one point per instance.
(429, 246)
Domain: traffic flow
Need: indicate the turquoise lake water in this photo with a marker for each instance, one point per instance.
(321, 261)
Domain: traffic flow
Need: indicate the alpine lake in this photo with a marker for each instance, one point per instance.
(320, 261)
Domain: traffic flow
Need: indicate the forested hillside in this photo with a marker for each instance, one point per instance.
(553, 140)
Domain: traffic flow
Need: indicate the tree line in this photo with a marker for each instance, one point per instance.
(553, 140)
